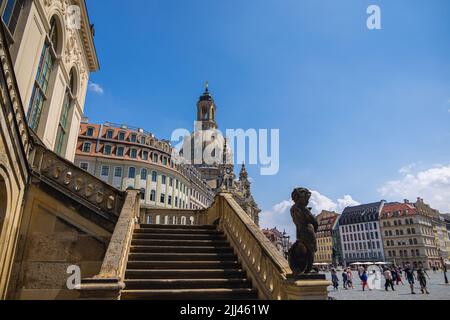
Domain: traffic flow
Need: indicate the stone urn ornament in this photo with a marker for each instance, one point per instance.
(302, 253)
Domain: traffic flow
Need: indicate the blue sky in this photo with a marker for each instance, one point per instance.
(353, 106)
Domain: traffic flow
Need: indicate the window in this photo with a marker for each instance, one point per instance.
(105, 171)
(153, 196)
(87, 147)
(64, 117)
(154, 176)
(144, 174)
(164, 161)
(143, 194)
(39, 94)
(109, 134)
(11, 14)
(132, 173)
(163, 198)
(120, 151)
(163, 180)
(90, 132)
(84, 166)
(121, 136)
(169, 200)
(145, 155)
(155, 158)
(133, 138)
(118, 172)
(133, 153)
(171, 182)
(107, 151)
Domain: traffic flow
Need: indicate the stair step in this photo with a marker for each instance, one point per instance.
(178, 242)
(182, 265)
(185, 274)
(169, 226)
(146, 284)
(157, 249)
(191, 294)
(181, 257)
(177, 230)
(177, 236)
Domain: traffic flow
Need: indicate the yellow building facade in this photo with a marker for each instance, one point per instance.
(327, 221)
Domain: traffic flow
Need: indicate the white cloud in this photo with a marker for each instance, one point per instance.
(345, 202)
(433, 185)
(279, 216)
(96, 88)
(408, 168)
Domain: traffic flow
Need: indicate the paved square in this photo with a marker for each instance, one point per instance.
(436, 285)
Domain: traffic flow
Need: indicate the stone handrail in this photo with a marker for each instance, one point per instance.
(63, 175)
(109, 283)
(266, 267)
(173, 217)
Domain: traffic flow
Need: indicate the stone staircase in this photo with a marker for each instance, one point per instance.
(168, 262)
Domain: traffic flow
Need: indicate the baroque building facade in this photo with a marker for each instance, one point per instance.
(360, 233)
(52, 214)
(207, 149)
(327, 221)
(408, 235)
(127, 157)
(53, 54)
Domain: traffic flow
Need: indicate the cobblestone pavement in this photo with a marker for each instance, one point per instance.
(436, 285)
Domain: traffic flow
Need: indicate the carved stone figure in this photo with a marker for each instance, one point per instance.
(301, 255)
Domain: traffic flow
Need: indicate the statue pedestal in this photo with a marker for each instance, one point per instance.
(307, 287)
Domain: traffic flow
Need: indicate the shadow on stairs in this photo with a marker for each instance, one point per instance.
(173, 262)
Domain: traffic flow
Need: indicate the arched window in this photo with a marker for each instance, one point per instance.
(154, 176)
(144, 174)
(46, 62)
(153, 196)
(3, 203)
(132, 172)
(61, 137)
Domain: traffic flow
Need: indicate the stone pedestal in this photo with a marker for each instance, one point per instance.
(307, 287)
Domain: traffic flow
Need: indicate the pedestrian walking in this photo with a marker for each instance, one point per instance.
(422, 277)
(388, 278)
(334, 279)
(399, 277)
(364, 279)
(445, 274)
(410, 276)
(344, 279)
(350, 279)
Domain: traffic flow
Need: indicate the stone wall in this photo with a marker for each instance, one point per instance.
(54, 237)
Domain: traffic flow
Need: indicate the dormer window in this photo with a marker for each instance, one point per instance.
(133, 138)
(109, 134)
(121, 136)
(90, 132)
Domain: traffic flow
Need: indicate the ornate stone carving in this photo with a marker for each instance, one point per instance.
(302, 253)
(71, 180)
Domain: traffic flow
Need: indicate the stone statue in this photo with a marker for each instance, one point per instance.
(302, 253)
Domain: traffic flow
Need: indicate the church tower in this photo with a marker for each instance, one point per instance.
(206, 111)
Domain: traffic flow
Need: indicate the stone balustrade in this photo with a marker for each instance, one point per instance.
(109, 283)
(62, 175)
(268, 270)
(173, 217)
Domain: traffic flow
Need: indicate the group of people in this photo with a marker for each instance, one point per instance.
(393, 276)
